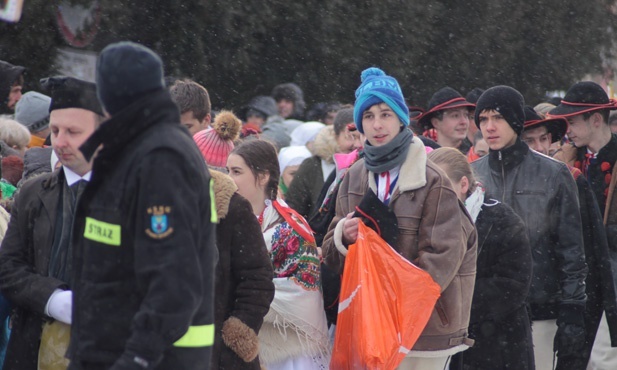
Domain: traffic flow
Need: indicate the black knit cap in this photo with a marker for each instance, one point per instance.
(125, 72)
(557, 127)
(505, 100)
(583, 97)
(70, 92)
(444, 98)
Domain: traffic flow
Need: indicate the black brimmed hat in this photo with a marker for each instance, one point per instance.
(583, 97)
(415, 112)
(556, 126)
(69, 92)
(445, 98)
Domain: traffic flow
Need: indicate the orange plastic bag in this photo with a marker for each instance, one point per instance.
(385, 303)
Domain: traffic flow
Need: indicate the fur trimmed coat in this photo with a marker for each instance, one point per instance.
(243, 282)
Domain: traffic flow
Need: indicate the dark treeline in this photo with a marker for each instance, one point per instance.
(238, 48)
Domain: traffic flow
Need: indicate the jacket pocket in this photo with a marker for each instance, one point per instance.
(529, 192)
(105, 324)
(441, 312)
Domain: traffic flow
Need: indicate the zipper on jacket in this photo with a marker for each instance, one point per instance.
(503, 178)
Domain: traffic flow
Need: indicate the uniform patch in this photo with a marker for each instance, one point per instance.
(214, 218)
(102, 232)
(159, 222)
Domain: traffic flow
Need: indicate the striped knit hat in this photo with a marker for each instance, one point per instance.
(217, 142)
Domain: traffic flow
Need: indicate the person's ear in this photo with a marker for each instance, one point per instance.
(263, 178)
(464, 185)
(596, 119)
(435, 122)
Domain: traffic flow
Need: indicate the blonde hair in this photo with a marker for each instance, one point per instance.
(14, 134)
(455, 165)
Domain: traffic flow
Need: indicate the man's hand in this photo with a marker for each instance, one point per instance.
(570, 336)
(350, 229)
(60, 306)
(569, 339)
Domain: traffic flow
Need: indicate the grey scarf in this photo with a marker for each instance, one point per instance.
(378, 159)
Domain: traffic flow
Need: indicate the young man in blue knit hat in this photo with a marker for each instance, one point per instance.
(418, 212)
(543, 193)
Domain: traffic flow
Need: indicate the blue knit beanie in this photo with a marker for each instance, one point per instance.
(377, 88)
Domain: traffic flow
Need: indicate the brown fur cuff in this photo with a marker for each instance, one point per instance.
(241, 339)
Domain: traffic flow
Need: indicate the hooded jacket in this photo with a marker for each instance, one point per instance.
(8, 75)
(293, 92)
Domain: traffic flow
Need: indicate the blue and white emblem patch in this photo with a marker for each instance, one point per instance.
(159, 222)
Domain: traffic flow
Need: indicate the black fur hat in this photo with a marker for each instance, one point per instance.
(70, 92)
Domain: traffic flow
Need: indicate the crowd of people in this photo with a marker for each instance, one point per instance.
(142, 229)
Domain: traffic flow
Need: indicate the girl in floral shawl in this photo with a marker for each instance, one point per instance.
(294, 334)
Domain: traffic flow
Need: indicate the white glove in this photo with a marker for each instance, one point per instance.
(60, 306)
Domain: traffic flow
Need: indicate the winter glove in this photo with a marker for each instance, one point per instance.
(379, 217)
(570, 336)
(241, 339)
(60, 306)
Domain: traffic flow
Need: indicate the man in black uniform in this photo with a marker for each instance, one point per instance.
(144, 232)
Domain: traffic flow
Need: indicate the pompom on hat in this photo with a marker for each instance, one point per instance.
(377, 88)
(583, 97)
(217, 142)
